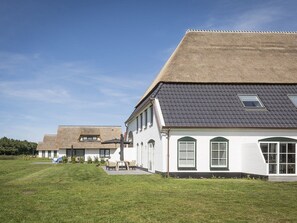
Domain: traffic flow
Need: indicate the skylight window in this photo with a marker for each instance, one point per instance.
(251, 101)
(293, 98)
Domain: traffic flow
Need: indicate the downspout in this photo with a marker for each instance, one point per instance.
(168, 140)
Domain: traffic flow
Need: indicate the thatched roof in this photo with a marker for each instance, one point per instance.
(70, 135)
(48, 143)
(232, 57)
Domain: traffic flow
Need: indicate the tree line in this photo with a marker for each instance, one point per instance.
(17, 147)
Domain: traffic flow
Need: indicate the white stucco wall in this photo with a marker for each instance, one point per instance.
(142, 137)
(129, 154)
(46, 154)
(244, 152)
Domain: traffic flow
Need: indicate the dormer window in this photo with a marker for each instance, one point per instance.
(251, 101)
(89, 138)
(293, 98)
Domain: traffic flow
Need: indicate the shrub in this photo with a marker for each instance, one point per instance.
(64, 159)
(82, 159)
(73, 159)
(5, 157)
(102, 161)
(89, 160)
(96, 160)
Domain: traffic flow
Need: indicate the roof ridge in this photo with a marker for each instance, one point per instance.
(240, 31)
(78, 126)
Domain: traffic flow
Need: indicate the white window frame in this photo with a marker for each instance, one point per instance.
(290, 96)
(277, 157)
(190, 140)
(226, 151)
(250, 95)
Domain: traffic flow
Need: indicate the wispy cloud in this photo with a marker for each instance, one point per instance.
(261, 16)
(37, 92)
(257, 19)
(19, 90)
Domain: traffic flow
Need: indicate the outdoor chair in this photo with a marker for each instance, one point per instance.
(111, 165)
(77, 159)
(132, 164)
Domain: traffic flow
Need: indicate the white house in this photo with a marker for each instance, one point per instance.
(47, 148)
(84, 141)
(224, 104)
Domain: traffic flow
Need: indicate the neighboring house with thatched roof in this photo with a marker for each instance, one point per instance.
(224, 104)
(47, 148)
(87, 141)
(83, 141)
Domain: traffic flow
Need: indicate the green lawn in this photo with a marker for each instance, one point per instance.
(84, 193)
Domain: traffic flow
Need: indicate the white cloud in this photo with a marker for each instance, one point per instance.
(257, 17)
(19, 90)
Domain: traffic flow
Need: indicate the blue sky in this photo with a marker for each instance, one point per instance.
(68, 62)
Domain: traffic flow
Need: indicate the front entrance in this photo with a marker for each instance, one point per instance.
(280, 157)
(151, 164)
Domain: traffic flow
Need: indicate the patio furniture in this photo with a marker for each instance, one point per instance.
(132, 164)
(122, 165)
(111, 165)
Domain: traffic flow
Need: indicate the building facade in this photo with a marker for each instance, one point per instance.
(224, 104)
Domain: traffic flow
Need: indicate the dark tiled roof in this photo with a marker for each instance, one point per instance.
(218, 105)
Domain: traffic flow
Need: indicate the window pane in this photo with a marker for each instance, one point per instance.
(222, 162)
(222, 154)
(293, 99)
(183, 155)
(182, 146)
(215, 162)
(291, 147)
(215, 154)
(291, 158)
(283, 148)
(272, 147)
(272, 168)
(190, 163)
(152, 115)
(190, 146)
(191, 155)
(107, 153)
(182, 162)
(282, 168)
(291, 168)
(215, 146)
(272, 158)
(223, 146)
(264, 147)
(282, 158)
(251, 104)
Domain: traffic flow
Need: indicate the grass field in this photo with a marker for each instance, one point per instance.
(84, 193)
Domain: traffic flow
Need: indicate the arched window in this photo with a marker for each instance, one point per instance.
(219, 153)
(130, 139)
(186, 153)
